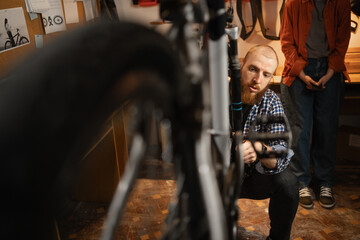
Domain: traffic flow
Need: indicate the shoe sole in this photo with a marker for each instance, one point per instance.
(310, 206)
(327, 206)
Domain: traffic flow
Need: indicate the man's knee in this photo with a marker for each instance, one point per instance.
(287, 185)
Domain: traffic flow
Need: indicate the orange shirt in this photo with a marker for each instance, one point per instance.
(295, 27)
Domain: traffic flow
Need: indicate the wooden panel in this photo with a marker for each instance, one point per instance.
(352, 55)
(352, 60)
(355, 78)
(120, 141)
(353, 66)
(100, 174)
(353, 50)
(104, 163)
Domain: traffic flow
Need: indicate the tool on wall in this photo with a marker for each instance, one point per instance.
(256, 14)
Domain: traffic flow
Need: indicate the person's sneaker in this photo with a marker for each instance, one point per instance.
(326, 198)
(305, 197)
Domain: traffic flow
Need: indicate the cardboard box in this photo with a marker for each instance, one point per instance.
(348, 144)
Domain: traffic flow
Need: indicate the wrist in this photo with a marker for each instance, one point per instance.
(302, 75)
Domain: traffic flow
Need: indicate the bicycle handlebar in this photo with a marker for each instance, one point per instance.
(264, 120)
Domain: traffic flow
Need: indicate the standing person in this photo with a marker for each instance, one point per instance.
(8, 31)
(270, 177)
(314, 38)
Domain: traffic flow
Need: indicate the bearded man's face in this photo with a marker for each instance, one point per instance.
(256, 73)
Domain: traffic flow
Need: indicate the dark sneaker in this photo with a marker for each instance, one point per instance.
(326, 198)
(305, 198)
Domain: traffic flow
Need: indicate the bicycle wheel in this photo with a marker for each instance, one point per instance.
(8, 44)
(55, 102)
(23, 40)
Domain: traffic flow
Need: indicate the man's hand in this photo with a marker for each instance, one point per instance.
(310, 83)
(307, 80)
(248, 152)
(324, 79)
(250, 155)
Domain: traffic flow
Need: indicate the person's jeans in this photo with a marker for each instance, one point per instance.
(282, 189)
(317, 111)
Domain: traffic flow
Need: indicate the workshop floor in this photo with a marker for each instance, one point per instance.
(154, 190)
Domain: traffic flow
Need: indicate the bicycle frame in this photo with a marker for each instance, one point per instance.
(17, 35)
(215, 112)
(219, 188)
(14, 39)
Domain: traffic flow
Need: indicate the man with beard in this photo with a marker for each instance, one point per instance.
(270, 177)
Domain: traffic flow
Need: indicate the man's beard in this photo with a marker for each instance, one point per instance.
(250, 98)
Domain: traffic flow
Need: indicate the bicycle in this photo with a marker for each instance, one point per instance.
(49, 105)
(226, 168)
(20, 40)
(51, 21)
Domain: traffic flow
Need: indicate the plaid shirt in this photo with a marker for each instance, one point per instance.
(270, 105)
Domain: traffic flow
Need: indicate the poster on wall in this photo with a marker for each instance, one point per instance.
(53, 19)
(13, 29)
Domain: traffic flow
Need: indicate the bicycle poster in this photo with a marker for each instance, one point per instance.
(53, 19)
(13, 29)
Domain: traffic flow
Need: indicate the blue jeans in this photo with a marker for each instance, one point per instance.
(282, 189)
(314, 119)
